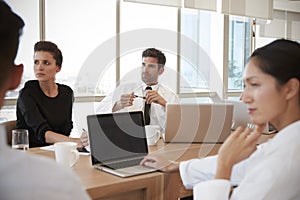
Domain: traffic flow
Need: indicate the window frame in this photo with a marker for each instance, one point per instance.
(223, 91)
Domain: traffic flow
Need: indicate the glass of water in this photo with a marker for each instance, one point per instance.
(20, 139)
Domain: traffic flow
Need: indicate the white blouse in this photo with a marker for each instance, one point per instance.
(271, 172)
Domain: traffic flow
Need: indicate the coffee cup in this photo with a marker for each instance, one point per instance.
(66, 153)
(152, 134)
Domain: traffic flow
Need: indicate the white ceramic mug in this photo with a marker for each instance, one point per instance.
(66, 153)
(19, 139)
(209, 190)
(152, 134)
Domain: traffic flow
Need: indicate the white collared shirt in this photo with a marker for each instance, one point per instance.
(157, 112)
(271, 172)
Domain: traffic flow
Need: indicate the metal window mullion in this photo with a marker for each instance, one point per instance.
(225, 55)
(42, 14)
(118, 20)
(178, 50)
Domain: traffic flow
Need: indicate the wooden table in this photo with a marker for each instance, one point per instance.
(152, 186)
(173, 187)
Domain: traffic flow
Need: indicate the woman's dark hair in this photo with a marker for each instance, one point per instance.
(280, 59)
(155, 53)
(51, 48)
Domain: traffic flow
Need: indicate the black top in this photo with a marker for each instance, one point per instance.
(39, 113)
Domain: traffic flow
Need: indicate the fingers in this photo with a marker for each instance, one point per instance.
(147, 161)
(127, 100)
(245, 133)
(238, 146)
(160, 163)
(79, 143)
(84, 139)
(260, 128)
(150, 95)
(152, 161)
(153, 97)
(252, 134)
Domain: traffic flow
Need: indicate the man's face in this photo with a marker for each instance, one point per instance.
(150, 70)
(10, 79)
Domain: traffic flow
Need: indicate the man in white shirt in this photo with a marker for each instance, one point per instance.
(134, 96)
(24, 175)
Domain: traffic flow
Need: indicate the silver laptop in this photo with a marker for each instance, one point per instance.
(118, 143)
(241, 116)
(200, 123)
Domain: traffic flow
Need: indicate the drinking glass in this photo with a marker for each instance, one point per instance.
(20, 139)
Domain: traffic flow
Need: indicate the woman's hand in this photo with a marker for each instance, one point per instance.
(237, 147)
(160, 163)
(82, 141)
(84, 138)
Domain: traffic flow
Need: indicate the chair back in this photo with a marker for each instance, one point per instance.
(9, 126)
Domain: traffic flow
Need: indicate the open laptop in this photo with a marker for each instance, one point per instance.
(199, 122)
(240, 113)
(118, 143)
(241, 116)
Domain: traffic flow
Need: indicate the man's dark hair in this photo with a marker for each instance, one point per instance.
(11, 26)
(155, 53)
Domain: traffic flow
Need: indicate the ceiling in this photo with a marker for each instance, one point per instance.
(289, 5)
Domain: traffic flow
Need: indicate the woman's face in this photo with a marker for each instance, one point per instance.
(266, 101)
(45, 67)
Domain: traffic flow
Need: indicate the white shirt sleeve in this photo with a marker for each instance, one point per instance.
(217, 189)
(271, 172)
(197, 170)
(158, 117)
(106, 105)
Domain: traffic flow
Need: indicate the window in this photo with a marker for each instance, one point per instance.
(195, 51)
(82, 30)
(147, 26)
(93, 35)
(239, 51)
(28, 10)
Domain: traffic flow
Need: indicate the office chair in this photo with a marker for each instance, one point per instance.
(9, 126)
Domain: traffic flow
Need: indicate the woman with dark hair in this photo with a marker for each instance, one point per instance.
(44, 107)
(267, 171)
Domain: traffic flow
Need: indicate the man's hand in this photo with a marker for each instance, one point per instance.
(125, 100)
(153, 97)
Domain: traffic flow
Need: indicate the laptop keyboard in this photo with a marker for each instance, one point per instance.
(124, 164)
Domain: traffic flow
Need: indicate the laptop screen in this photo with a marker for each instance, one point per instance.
(116, 136)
